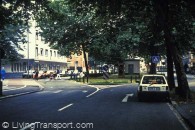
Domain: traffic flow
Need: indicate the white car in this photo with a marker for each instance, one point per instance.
(153, 85)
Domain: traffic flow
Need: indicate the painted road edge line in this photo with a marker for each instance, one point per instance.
(97, 89)
(180, 119)
(65, 107)
(15, 88)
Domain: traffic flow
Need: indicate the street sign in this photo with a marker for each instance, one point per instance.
(155, 59)
(105, 68)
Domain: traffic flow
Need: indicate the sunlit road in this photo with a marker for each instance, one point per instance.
(70, 105)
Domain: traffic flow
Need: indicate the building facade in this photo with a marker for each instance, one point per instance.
(77, 62)
(37, 54)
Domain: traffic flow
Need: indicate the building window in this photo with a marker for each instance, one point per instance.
(58, 54)
(37, 35)
(54, 53)
(46, 53)
(50, 53)
(36, 51)
(41, 51)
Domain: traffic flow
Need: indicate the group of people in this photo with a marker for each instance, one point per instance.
(55, 75)
(52, 75)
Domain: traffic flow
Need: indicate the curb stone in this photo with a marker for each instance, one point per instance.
(187, 118)
(41, 88)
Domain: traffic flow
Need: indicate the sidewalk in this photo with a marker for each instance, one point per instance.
(187, 111)
(20, 82)
(17, 87)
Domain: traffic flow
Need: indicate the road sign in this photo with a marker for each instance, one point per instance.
(155, 59)
(105, 68)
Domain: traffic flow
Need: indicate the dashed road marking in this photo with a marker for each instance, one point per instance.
(85, 91)
(65, 107)
(58, 91)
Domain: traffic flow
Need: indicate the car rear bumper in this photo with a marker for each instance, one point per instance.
(148, 93)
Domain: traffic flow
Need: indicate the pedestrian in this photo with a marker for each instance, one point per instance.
(58, 74)
(36, 74)
(3, 73)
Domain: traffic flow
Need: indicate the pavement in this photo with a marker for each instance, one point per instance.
(17, 87)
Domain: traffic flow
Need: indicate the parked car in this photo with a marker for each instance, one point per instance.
(28, 74)
(155, 85)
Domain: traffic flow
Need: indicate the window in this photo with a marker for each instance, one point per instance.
(58, 54)
(37, 35)
(36, 52)
(54, 53)
(41, 51)
(50, 53)
(46, 53)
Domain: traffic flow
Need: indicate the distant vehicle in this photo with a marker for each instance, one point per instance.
(28, 74)
(153, 85)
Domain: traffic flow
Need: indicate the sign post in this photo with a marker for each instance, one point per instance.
(2, 53)
(105, 73)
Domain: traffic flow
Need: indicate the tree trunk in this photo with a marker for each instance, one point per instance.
(121, 73)
(183, 87)
(170, 72)
(85, 58)
(153, 68)
(163, 10)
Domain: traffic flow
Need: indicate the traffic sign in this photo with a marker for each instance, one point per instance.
(155, 59)
(105, 68)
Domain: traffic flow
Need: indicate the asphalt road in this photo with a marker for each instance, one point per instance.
(69, 105)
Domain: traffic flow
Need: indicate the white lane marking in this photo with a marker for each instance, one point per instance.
(65, 107)
(15, 88)
(85, 91)
(97, 89)
(58, 91)
(127, 96)
(28, 126)
(180, 119)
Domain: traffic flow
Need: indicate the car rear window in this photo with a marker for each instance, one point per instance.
(153, 80)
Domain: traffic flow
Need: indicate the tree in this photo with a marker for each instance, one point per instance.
(71, 31)
(170, 21)
(13, 25)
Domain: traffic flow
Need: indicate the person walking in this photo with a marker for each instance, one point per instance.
(36, 74)
(58, 74)
(3, 73)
